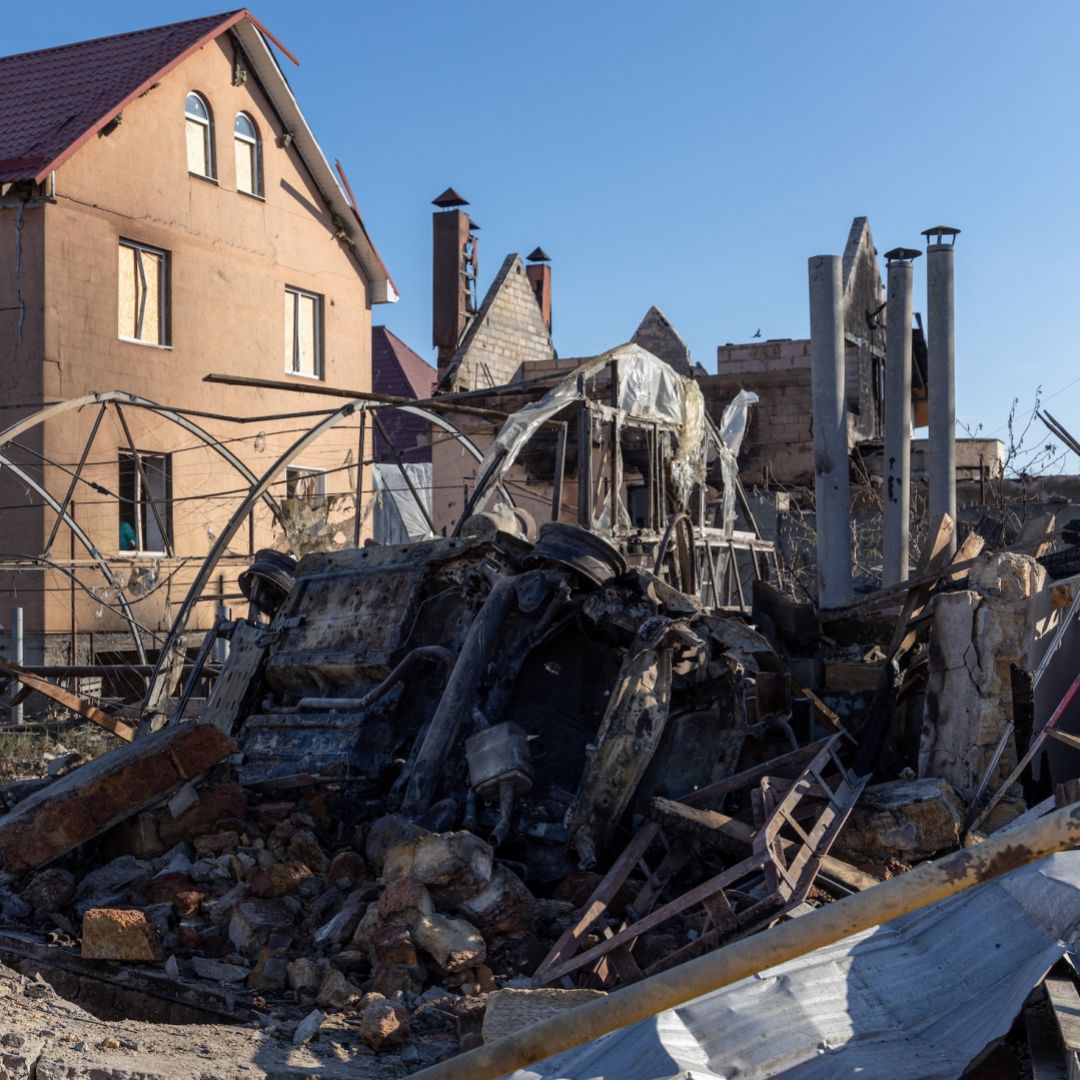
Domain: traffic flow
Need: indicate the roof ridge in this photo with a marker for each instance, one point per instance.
(117, 37)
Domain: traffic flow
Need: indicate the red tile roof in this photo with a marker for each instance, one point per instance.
(399, 372)
(53, 100)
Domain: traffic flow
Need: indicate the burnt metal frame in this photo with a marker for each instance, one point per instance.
(709, 545)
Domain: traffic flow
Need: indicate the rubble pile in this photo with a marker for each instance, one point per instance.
(442, 791)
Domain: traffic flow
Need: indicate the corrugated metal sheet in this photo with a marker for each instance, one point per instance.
(917, 999)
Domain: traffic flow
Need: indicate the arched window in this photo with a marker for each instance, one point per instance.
(248, 155)
(200, 135)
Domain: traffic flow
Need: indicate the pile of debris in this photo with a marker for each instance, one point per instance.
(442, 790)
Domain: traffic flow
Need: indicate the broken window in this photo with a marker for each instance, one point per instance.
(248, 155)
(199, 128)
(142, 308)
(306, 485)
(145, 502)
(303, 333)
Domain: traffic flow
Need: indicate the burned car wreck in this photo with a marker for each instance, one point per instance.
(535, 686)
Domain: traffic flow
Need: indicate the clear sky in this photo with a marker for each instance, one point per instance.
(693, 155)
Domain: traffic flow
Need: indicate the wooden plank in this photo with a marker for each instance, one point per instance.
(1047, 1057)
(1065, 1003)
(1064, 737)
(69, 700)
(934, 559)
(737, 833)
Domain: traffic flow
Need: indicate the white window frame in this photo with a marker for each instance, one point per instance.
(164, 322)
(291, 362)
(255, 144)
(207, 123)
(141, 509)
(294, 474)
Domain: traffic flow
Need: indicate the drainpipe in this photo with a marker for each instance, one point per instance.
(831, 493)
(941, 376)
(19, 657)
(898, 416)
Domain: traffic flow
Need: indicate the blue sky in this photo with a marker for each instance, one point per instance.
(694, 155)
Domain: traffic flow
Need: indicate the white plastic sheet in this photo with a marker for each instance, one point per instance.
(732, 430)
(649, 390)
(397, 517)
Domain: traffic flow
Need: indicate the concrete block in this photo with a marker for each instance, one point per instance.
(106, 791)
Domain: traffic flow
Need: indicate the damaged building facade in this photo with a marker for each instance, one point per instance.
(165, 213)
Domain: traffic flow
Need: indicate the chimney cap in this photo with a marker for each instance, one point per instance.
(448, 200)
(474, 226)
(538, 255)
(938, 234)
(901, 254)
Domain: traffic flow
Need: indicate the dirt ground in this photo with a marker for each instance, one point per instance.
(45, 1037)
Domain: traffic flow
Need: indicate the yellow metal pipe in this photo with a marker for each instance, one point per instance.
(918, 888)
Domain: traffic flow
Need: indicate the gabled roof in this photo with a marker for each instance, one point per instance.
(54, 100)
(395, 369)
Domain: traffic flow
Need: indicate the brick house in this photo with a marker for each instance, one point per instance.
(165, 213)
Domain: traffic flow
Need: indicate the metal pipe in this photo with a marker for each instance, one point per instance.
(927, 884)
(405, 665)
(17, 650)
(941, 371)
(831, 488)
(456, 699)
(895, 540)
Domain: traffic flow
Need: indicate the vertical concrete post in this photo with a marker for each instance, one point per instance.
(831, 492)
(941, 371)
(897, 416)
(17, 649)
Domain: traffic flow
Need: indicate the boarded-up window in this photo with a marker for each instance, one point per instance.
(199, 129)
(145, 502)
(143, 287)
(303, 333)
(248, 155)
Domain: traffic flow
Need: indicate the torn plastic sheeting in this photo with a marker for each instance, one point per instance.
(916, 999)
(649, 389)
(398, 518)
(733, 423)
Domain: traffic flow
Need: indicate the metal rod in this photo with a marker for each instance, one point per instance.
(75, 477)
(404, 472)
(927, 884)
(17, 649)
(165, 538)
(361, 444)
(560, 465)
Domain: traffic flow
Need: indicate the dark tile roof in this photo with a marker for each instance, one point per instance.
(399, 372)
(51, 101)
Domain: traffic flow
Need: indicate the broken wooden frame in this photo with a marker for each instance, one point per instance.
(797, 812)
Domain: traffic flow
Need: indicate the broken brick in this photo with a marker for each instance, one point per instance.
(120, 934)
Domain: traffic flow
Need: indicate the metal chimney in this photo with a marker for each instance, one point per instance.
(898, 415)
(831, 491)
(941, 371)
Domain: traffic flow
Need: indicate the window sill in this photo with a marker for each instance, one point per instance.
(304, 375)
(141, 555)
(199, 176)
(145, 344)
(251, 195)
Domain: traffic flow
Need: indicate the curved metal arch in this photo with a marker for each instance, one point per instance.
(166, 671)
(162, 682)
(87, 543)
(103, 397)
(470, 447)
